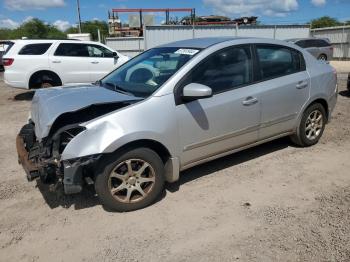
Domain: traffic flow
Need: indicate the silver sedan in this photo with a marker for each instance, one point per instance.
(171, 108)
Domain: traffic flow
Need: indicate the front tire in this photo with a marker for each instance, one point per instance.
(311, 126)
(133, 181)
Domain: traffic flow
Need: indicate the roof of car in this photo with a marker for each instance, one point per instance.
(202, 42)
(306, 38)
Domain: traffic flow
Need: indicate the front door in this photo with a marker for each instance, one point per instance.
(228, 119)
(102, 61)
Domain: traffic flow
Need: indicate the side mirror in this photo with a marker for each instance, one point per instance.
(115, 55)
(195, 91)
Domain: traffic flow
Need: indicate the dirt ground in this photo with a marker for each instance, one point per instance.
(275, 202)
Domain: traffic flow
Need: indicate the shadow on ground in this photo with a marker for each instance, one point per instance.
(26, 96)
(345, 93)
(88, 198)
(211, 167)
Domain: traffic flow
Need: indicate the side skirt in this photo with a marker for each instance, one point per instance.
(225, 153)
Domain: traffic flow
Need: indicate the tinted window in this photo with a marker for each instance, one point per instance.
(34, 49)
(301, 43)
(224, 70)
(275, 61)
(70, 49)
(99, 51)
(321, 43)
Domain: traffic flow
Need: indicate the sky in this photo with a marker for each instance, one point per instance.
(63, 13)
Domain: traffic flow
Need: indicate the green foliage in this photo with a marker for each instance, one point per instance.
(37, 29)
(324, 21)
(34, 29)
(92, 26)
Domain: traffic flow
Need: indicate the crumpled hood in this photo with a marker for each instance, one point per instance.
(50, 103)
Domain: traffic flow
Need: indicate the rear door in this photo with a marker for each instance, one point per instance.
(71, 61)
(284, 88)
(311, 47)
(102, 61)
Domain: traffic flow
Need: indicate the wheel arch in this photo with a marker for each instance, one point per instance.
(171, 163)
(323, 102)
(156, 146)
(38, 73)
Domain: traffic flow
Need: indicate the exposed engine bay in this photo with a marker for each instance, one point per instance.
(42, 159)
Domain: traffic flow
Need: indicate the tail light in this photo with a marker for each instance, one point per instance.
(7, 61)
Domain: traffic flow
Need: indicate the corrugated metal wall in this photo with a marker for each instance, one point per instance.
(157, 35)
(130, 46)
(339, 37)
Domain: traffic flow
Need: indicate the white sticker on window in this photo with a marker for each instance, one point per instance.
(184, 51)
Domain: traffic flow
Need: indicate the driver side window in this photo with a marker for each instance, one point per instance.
(224, 70)
(99, 51)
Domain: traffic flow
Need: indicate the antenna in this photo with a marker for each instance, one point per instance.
(79, 23)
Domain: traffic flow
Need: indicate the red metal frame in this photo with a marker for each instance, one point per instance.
(127, 10)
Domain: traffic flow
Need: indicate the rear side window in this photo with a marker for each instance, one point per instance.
(276, 61)
(224, 70)
(301, 43)
(34, 49)
(72, 49)
(321, 43)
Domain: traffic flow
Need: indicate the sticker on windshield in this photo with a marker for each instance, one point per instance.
(184, 51)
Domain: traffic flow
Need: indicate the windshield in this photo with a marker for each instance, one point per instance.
(147, 72)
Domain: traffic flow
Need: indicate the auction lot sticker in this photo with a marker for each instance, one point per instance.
(183, 51)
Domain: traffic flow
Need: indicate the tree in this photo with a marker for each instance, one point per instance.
(91, 27)
(34, 29)
(324, 21)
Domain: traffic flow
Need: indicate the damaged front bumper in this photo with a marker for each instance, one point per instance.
(29, 166)
(72, 173)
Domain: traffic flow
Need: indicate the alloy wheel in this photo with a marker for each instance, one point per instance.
(131, 180)
(314, 125)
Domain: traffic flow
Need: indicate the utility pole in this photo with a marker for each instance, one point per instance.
(79, 23)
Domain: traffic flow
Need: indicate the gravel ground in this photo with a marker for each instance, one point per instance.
(275, 202)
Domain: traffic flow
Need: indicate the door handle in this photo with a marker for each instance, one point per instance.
(301, 85)
(250, 101)
(56, 61)
(94, 62)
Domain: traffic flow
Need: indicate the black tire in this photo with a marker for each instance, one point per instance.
(322, 57)
(44, 80)
(103, 181)
(302, 137)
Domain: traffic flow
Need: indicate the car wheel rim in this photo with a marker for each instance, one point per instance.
(322, 57)
(314, 125)
(131, 181)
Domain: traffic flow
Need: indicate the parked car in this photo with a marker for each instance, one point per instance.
(321, 48)
(4, 47)
(46, 63)
(211, 97)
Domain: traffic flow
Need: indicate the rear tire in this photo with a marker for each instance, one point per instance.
(322, 57)
(133, 181)
(311, 126)
(44, 79)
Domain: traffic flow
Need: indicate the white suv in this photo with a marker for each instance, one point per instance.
(45, 63)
